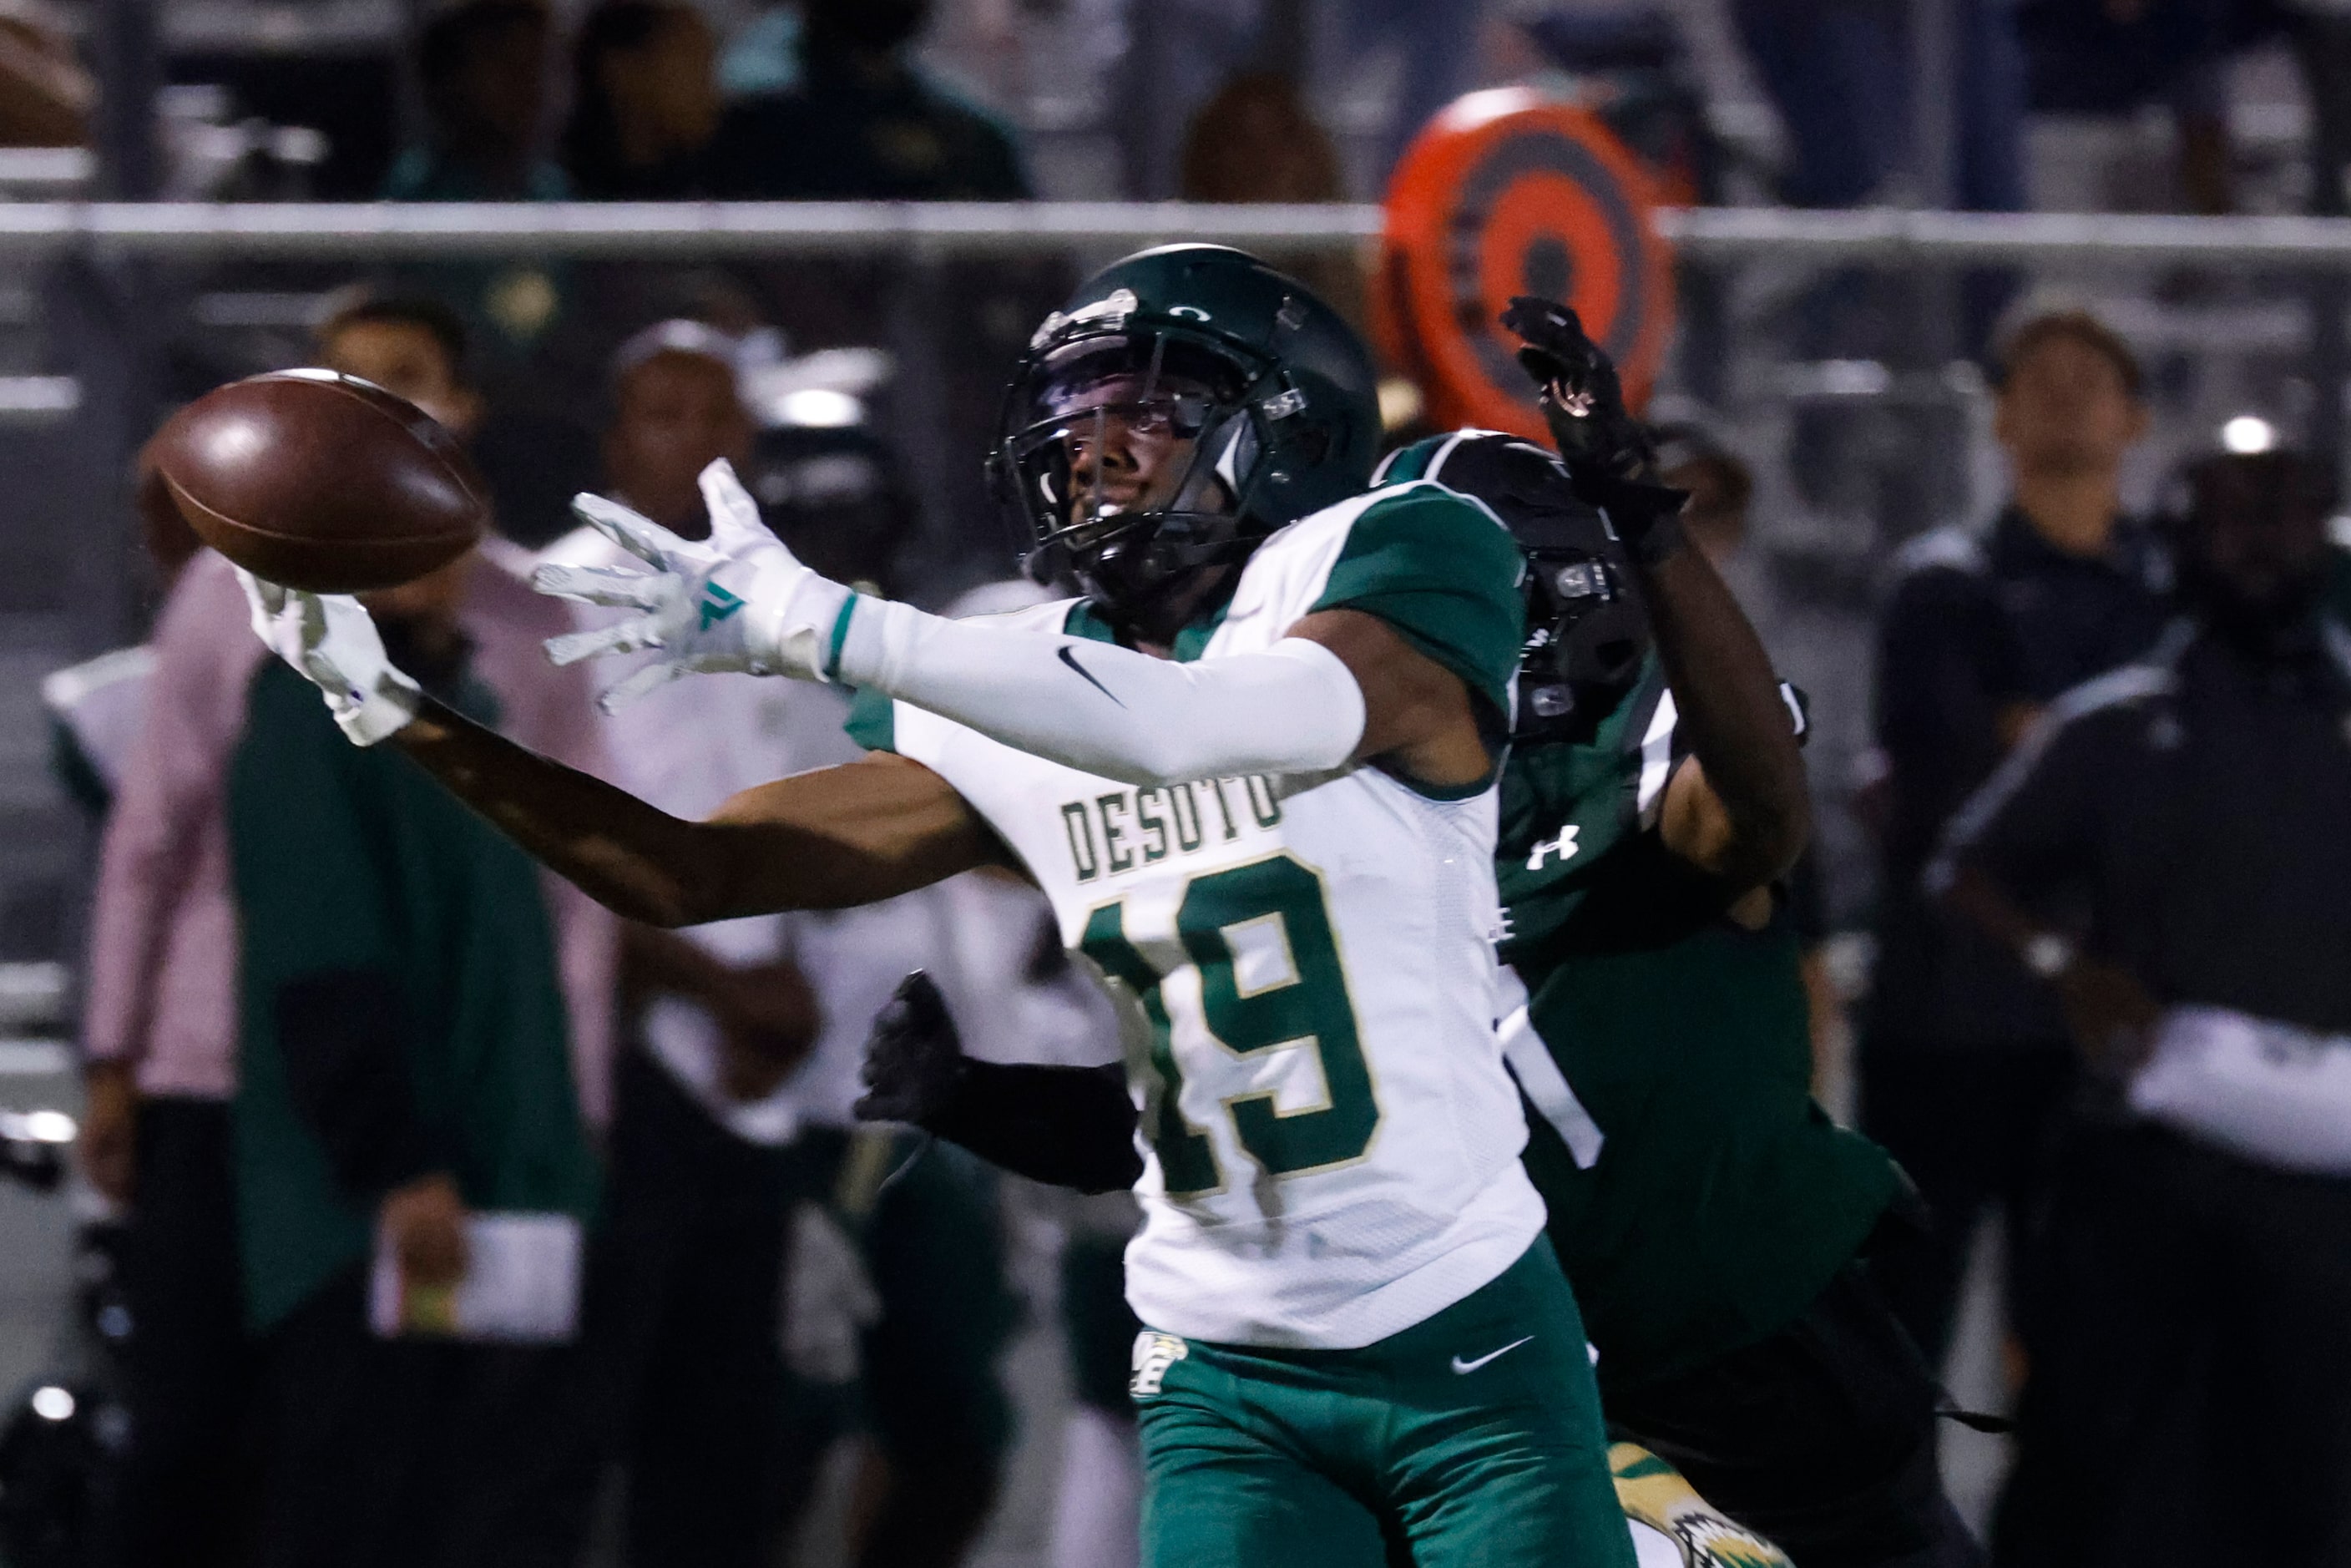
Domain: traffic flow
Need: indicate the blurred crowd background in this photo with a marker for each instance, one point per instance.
(1850, 430)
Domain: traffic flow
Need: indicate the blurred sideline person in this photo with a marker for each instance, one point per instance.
(2167, 850)
(1255, 140)
(482, 69)
(1965, 1066)
(95, 707)
(412, 348)
(687, 1286)
(482, 73)
(735, 1115)
(1837, 72)
(277, 935)
(644, 102)
(402, 1019)
(841, 107)
(860, 121)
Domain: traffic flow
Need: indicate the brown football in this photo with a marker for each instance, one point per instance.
(321, 480)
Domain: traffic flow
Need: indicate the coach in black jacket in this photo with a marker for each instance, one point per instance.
(1964, 1059)
(2170, 848)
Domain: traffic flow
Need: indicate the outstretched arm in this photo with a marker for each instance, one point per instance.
(1330, 693)
(826, 840)
(1343, 686)
(1739, 809)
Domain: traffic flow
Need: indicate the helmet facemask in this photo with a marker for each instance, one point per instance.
(1135, 457)
(1586, 632)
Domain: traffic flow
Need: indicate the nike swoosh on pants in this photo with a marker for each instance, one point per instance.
(1460, 1365)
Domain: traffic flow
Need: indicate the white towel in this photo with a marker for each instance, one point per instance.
(2268, 1091)
(521, 1285)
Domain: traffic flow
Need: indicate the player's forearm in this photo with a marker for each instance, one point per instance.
(1728, 706)
(1064, 1126)
(641, 863)
(1108, 710)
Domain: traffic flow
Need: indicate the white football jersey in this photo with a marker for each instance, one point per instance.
(1332, 1139)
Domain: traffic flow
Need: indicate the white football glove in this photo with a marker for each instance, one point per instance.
(739, 601)
(331, 642)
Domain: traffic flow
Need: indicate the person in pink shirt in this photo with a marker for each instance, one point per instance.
(162, 1017)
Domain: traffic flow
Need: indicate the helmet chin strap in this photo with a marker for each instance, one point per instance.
(1153, 597)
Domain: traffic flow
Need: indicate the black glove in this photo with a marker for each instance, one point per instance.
(914, 1063)
(1607, 452)
(1066, 1126)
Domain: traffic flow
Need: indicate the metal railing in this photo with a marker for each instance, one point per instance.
(372, 231)
(383, 230)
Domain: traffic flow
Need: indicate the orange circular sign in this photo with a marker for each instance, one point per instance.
(1506, 192)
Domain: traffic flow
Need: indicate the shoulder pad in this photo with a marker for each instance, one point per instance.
(1400, 494)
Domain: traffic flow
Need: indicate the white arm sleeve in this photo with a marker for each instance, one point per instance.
(1108, 710)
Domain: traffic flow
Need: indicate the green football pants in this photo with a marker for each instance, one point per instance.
(1470, 1440)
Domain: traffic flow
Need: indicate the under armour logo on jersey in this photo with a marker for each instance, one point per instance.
(717, 604)
(1155, 1352)
(1562, 846)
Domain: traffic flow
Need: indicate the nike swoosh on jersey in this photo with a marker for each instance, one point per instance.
(1087, 675)
(1460, 1367)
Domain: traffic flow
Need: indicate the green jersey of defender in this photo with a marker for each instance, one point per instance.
(1698, 1197)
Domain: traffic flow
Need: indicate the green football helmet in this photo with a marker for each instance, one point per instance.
(1198, 344)
(1586, 630)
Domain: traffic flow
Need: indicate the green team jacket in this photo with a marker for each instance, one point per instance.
(1723, 1199)
(344, 859)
